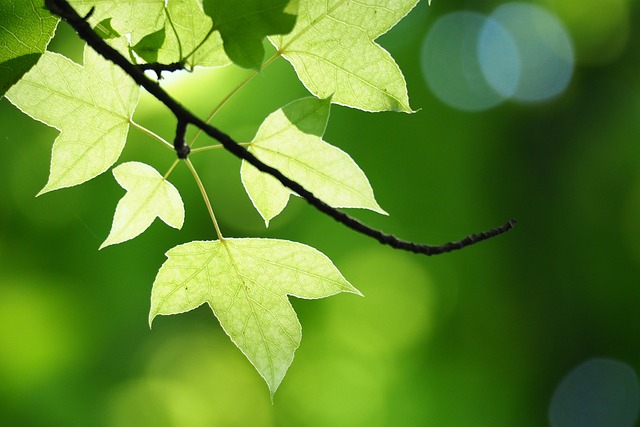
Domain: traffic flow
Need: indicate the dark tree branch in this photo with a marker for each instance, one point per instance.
(159, 68)
(179, 144)
(185, 117)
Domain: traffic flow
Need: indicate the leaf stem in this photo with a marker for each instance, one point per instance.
(173, 27)
(221, 104)
(205, 197)
(200, 44)
(151, 134)
(235, 90)
(173, 166)
(217, 146)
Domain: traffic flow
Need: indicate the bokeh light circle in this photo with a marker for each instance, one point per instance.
(473, 62)
(451, 66)
(598, 393)
(499, 58)
(546, 51)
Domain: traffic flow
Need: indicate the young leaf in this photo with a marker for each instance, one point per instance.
(333, 52)
(148, 196)
(187, 26)
(246, 283)
(25, 31)
(290, 140)
(244, 25)
(91, 106)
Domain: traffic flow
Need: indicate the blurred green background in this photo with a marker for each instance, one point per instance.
(479, 337)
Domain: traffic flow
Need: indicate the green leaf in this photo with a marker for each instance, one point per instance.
(187, 27)
(244, 25)
(148, 196)
(148, 46)
(333, 52)
(134, 17)
(91, 106)
(105, 30)
(25, 31)
(183, 23)
(246, 283)
(290, 140)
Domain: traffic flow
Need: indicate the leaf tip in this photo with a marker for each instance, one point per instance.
(47, 189)
(378, 209)
(151, 317)
(354, 291)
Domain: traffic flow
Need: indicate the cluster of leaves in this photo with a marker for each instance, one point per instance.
(245, 281)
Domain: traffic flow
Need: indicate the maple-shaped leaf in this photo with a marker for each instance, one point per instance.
(290, 140)
(166, 32)
(25, 31)
(333, 51)
(188, 38)
(246, 283)
(91, 106)
(243, 25)
(148, 196)
(137, 18)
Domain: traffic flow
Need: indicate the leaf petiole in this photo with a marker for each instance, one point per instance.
(205, 197)
(173, 166)
(235, 90)
(217, 146)
(173, 27)
(195, 49)
(151, 134)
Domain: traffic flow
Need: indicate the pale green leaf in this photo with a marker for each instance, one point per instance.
(187, 29)
(25, 31)
(91, 106)
(246, 283)
(149, 196)
(333, 51)
(183, 24)
(243, 25)
(134, 17)
(290, 140)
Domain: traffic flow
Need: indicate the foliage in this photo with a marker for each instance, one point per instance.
(25, 32)
(332, 47)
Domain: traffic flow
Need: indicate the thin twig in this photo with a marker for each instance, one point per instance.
(185, 117)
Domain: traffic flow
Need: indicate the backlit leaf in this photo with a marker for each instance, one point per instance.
(246, 283)
(135, 17)
(91, 106)
(25, 31)
(243, 25)
(290, 140)
(161, 32)
(333, 52)
(186, 29)
(148, 196)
